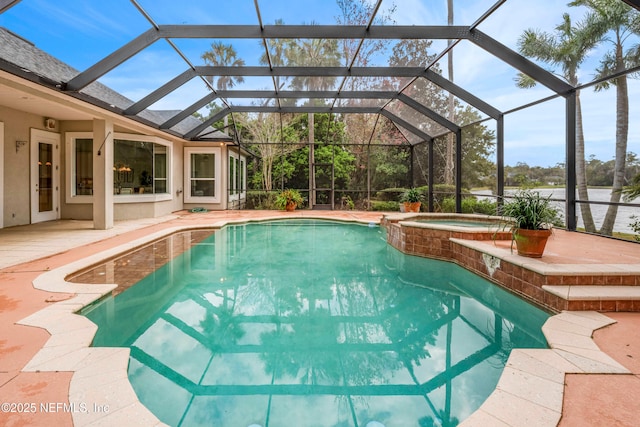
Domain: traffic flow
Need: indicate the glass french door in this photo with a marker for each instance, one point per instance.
(44, 176)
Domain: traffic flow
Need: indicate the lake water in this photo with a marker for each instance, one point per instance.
(623, 219)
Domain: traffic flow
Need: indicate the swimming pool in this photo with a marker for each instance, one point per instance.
(313, 323)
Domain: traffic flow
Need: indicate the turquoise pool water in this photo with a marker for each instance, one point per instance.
(459, 223)
(310, 323)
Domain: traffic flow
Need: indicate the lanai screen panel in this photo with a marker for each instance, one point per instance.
(200, 12)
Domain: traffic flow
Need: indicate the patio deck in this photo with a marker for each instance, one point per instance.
(29, 251)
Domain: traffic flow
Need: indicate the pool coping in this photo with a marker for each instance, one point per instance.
(529, 392)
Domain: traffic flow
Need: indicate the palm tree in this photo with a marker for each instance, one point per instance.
(449, 163)
(278, 49)
(223, 55)
(632, 191)
(567, 48)
(614, 22)
(313, 53)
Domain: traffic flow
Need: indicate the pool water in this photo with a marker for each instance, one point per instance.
(312, 323)
(459, 223)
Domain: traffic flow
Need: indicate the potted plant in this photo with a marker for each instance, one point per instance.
(411, 200)
(531, 217)
(289, 199)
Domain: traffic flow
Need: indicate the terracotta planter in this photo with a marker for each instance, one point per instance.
(531, 243)
(291, 206)
(412, 206)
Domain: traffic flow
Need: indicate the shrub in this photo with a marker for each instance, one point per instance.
(635, 226)
(386, 206)
(260, 200)
(390, 194)
(288, 196)
(470, 205)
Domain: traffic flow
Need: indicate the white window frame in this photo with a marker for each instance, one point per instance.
(217, 153)
(70, 184)
(238, 159)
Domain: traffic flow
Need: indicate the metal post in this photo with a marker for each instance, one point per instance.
(500, 160)
(430, 176)
(570, 209)
(459, 171)
(369, 176)
(411, 154)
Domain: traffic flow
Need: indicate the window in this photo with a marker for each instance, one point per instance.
(236, 176)
(232, 176)
(79, 167)
(83, 161)
(202, 174)
(141, 166)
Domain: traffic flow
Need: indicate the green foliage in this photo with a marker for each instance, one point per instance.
(389, 167)
(349, 203)
(288, 196)
(260, 200)
(412, 195)
(295, 166)
(388, 206)
(529, 210)
(632, 191)
(635, 226)
(442, 192)
(478, 144)
(390, 194)
(223, 55)
(470, 205)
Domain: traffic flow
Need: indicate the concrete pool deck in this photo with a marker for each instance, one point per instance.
(71, 384)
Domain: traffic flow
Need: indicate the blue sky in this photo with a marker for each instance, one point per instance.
(82, 32)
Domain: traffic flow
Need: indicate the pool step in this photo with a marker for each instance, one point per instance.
(604, 298)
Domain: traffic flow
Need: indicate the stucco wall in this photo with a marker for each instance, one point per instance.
(17, 208)
(127, 210)
(17, 125)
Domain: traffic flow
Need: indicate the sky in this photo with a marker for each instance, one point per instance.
(81, 32)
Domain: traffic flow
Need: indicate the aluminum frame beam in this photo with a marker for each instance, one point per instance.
(520, 63)
(265, 32)
(7, 4)
(397, 120)
(320, 32)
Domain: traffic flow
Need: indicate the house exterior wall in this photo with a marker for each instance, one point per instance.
(15, 168)
(223, 176)
(124, 207)
(16, 174)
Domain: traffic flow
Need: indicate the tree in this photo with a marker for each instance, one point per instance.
(614, 22)
(449, 160)
(415, 53)
(478, 143)
(359, 12)
(360, 127)
(567, 48)
(278, 53)
(313, 53)
(268, 141)
(294, 166)
(223, 55)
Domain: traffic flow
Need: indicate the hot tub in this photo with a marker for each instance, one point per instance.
(429, 234)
